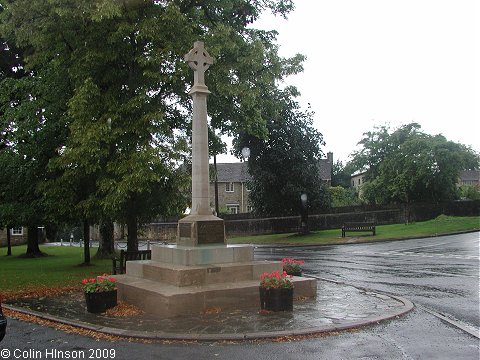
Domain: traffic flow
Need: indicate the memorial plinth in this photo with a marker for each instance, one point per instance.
(200, 272)
(190, 280)
(196, 230)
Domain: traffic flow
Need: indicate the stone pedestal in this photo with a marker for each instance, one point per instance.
(183, 280)
(196, 230)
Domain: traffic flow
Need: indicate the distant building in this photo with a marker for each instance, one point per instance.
(233, 192)
(18, 235)
(469, 178)
(357, 180)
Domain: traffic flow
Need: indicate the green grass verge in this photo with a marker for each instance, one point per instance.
(441, 225)
(60, 269)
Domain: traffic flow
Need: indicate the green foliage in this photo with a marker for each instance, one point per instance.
(341, 174)
(97, 124)
(408, 165)
(470, 192)
(285, 165)
(343, 196)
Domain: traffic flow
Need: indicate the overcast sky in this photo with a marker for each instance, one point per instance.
(376, 62)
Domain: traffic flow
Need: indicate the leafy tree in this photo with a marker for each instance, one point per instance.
(341, 174)
(470, 192)
(343, 196)
(112, 87)
(408, 165)
(285, 164)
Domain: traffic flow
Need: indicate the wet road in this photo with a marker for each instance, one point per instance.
(438, 274)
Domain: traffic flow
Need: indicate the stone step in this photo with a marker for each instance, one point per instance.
(182, 275)
(168, 301)
(202, 255)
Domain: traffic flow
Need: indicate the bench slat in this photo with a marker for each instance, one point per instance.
(358, 226)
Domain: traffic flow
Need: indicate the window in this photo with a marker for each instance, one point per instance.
(233, 208)
(229, 187)
(17, 231)
(249, 208)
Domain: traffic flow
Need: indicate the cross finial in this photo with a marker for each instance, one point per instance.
(199, 60)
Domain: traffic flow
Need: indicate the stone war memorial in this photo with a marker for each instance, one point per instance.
(201, 271)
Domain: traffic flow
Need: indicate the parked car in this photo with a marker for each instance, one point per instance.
(3, 322)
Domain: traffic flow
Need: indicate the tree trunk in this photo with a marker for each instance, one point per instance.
(106, 245)
(86, 242)
(33, 250)
(132, 228)
(9, 242)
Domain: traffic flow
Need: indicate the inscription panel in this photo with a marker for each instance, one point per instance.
(210, 232)
(185, 230)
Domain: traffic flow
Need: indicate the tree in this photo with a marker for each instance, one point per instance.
(123, 102)
(470, 192)
(408, 165)
(285, 165)
(341, 174)
(343, 196)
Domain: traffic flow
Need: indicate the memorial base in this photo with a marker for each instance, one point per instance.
(196, 230)
(183, 280)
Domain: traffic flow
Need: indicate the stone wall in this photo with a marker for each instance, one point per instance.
(246, 224)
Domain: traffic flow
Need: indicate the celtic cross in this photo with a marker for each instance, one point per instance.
(199, 60)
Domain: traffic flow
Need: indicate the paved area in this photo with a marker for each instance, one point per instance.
(338, 307)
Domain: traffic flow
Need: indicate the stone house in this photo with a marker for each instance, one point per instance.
(469, 178)
(18, 236)
(233, 192)
(357, 180)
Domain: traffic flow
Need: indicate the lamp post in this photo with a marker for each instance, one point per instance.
(304, 214)
(246, 153)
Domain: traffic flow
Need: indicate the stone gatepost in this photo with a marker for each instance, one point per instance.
(201, 227)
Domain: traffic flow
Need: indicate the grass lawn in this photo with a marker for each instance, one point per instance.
(441, 225)
(59, 270)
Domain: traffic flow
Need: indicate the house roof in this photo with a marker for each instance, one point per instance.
(325, 169)
(470, 175)
(233, 172)
(238, 172)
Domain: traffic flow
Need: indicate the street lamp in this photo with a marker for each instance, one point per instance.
(304, 214)
(246, 153)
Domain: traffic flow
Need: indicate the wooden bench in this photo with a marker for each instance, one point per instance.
(120, 265)
(358, 227)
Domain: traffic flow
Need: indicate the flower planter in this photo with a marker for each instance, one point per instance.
(276, 299)
(98, 302)
(294, 273)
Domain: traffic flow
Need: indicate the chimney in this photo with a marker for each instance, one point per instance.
(330, 157)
